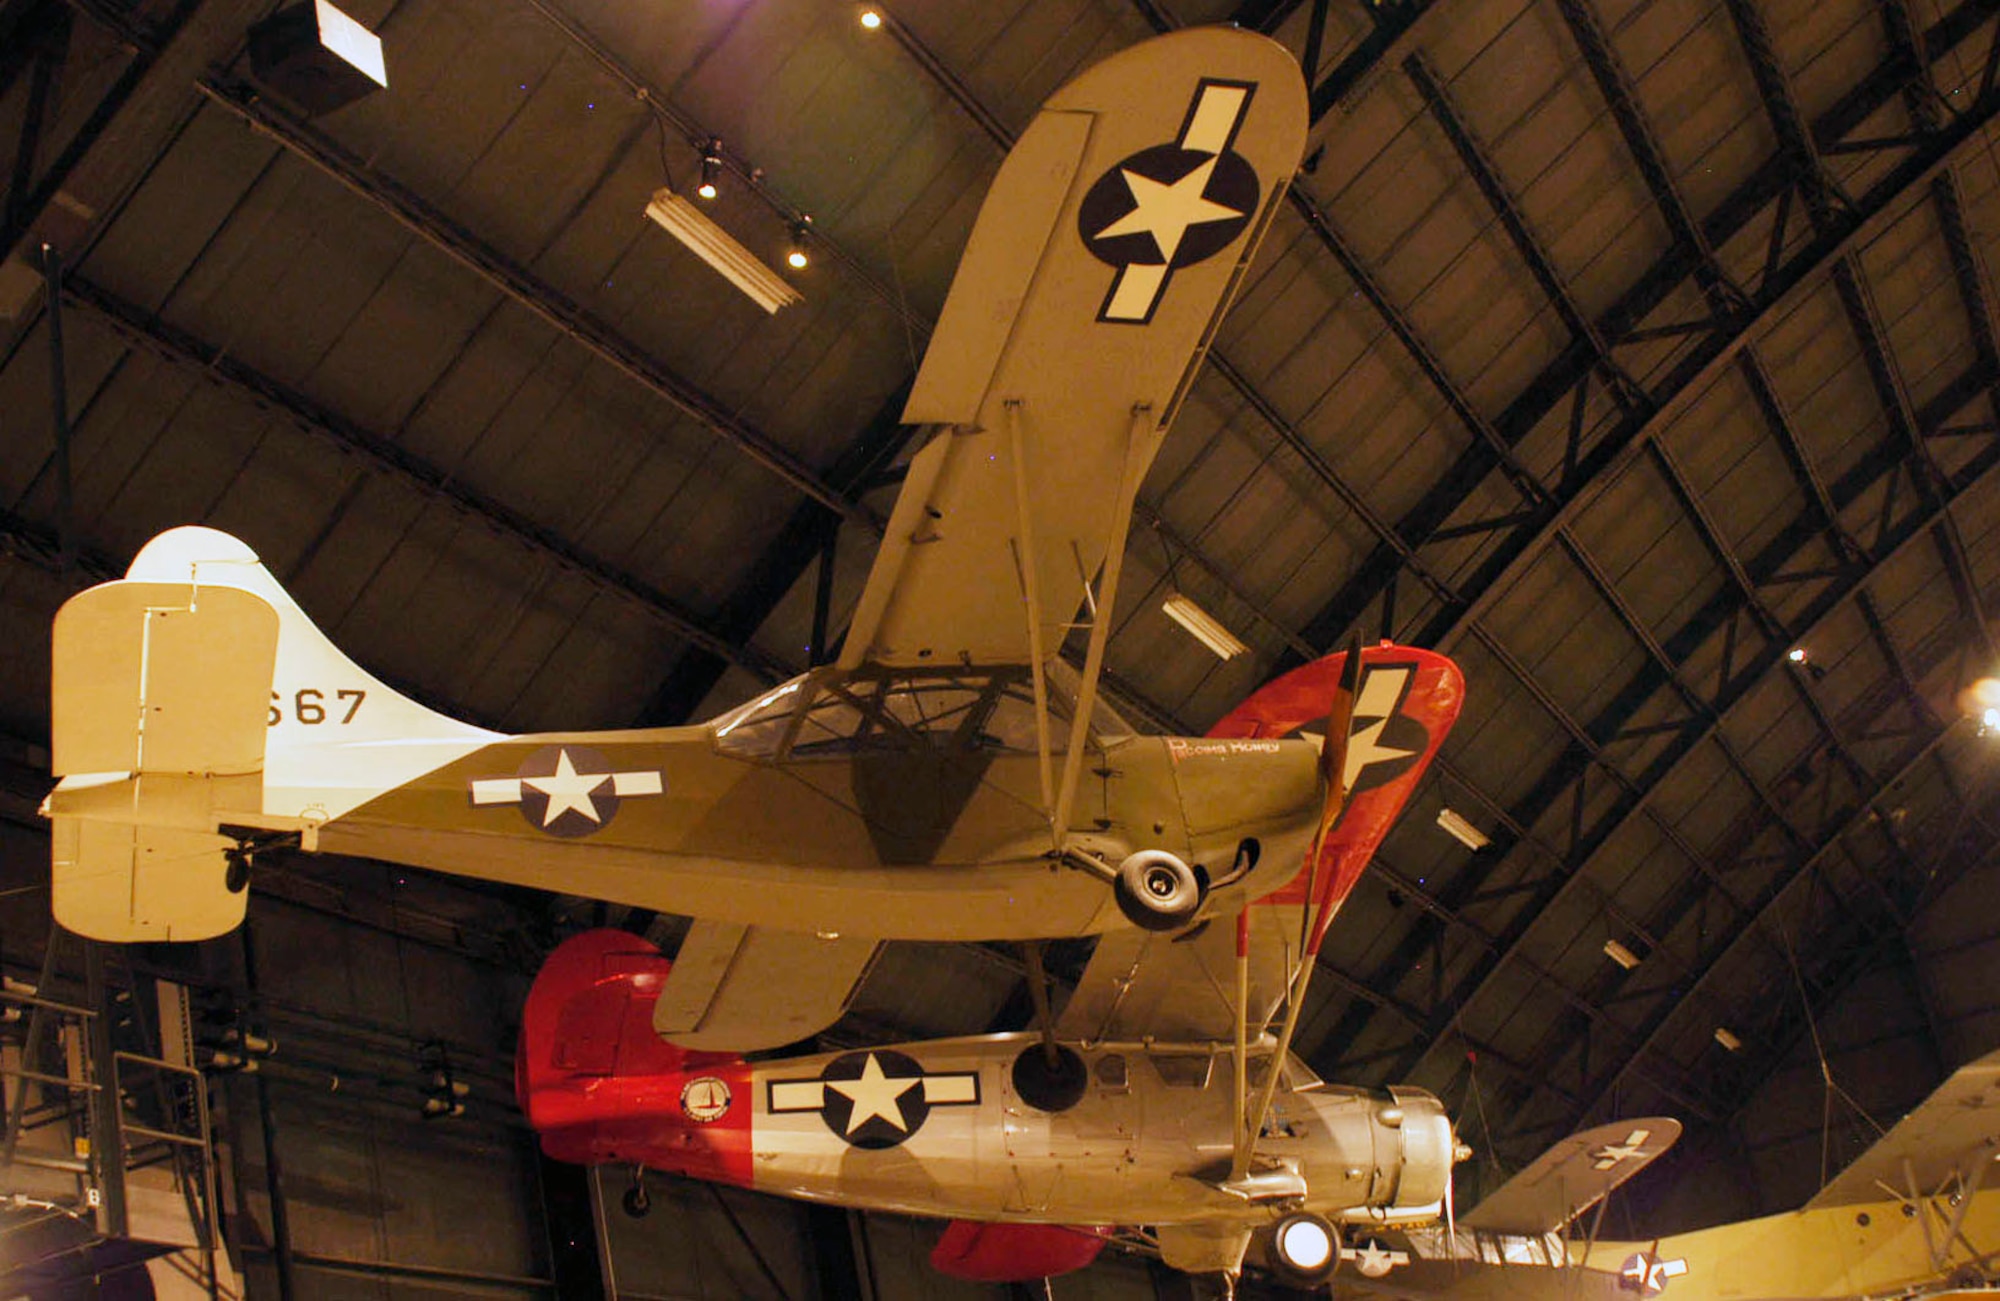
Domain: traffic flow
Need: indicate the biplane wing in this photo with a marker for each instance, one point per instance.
(1181, 987)
(1571, 1177)
(1954, 1131)
(1102, 260)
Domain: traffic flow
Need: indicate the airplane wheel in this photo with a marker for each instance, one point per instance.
(237, 875)
(1050, 1088)
(1303, 1249)
(636, 1202)
(1157, 891)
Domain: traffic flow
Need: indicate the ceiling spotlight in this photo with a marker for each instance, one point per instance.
(1986, 691)
(712, 244)
(797, 259)
(1727, 1040)
(1797, 655)
(1621, 955)
(1462, 831)
(1203, 626)
(711, 168)
(1989, 720)
(871, 17)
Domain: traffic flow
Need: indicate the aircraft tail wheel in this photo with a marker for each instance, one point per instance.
(1157, 891)
(636, 1201)
(1304, 1249)
(236, 877)
(1050, 1088)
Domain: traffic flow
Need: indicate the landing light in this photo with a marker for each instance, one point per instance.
(1203, 626)
(1305, 1244)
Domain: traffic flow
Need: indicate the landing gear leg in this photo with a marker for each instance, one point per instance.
(636, 1200)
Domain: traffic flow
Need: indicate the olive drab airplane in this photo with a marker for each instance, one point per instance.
(930, 784)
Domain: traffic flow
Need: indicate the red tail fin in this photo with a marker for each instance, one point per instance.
(1405, 700)
(587, 1039)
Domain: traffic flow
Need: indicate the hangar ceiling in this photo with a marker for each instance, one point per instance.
(1616, 349)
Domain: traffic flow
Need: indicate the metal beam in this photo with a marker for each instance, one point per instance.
(140, 329)
(1558, 381)
(146, 43)
(565, 314)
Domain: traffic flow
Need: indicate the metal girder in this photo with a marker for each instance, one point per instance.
(1776, 891)
(778, 568)
(146, 43)
(566, 315)
(140, 329)
(1830, 601)
(1557, 381)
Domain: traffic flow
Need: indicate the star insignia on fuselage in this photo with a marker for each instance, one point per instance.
(566, 790)
(874, 1099)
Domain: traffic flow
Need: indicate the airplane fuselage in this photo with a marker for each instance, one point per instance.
(937, 1129)
(913, 843)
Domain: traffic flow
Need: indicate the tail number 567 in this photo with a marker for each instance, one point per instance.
(309, 706)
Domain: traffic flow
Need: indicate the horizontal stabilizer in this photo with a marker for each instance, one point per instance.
(743, 988)
(1573, 1176)
(133, 884)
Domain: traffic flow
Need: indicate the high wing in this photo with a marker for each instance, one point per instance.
(1180, 988)
(1951, 1133)
(1573, 1176)
(1107, 249)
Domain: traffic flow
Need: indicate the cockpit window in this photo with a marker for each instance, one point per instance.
(825, 713)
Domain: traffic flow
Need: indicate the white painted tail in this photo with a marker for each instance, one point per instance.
(192, 695)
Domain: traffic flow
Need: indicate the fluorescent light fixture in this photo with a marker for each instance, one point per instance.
(1202, 626)
(1621, 955)
(717, 247)
(1462, 831)
(1726, 1039)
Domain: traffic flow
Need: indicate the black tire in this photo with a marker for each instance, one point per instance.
(636, 1202)
(1304, 1249)
(1157, 891)
(236, 877)
(1050, 1088)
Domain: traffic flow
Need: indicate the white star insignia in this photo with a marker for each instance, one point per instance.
(874, 1094)
(568, 790)
(1166, 211)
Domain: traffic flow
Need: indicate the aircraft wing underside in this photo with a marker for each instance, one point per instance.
(1101, 261)
(1950, 1133)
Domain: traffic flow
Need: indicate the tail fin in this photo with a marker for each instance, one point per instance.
(194, 694)
(586, 1034)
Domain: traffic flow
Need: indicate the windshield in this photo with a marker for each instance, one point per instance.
(828, 713)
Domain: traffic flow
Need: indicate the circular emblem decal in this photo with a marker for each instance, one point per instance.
(704, 1099)
(567, 790)
(1168, 206)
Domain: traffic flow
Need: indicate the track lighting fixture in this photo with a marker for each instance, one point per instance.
(797, 258)
(711, 169)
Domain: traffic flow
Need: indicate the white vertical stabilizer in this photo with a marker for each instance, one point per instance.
(337, 737)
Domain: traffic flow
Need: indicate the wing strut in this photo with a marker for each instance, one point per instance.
(1333, 767)
(1032, 591)
(1138, 454)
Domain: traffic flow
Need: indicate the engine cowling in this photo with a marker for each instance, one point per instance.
(1390, 1155)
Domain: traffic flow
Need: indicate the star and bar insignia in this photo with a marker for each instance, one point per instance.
(875, 1099)
(566, 790)
(1647, 1274)
(1610, 1154)
(1171, 205)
